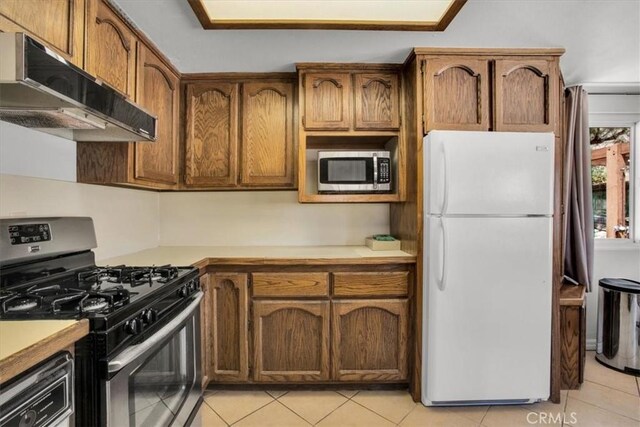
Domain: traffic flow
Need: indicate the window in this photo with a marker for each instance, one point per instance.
(611, 181)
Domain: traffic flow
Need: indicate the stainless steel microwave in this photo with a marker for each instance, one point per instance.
(354, 171)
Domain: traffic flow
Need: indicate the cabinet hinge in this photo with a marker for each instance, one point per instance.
(304, 122)
(423, 65)
(424, 125)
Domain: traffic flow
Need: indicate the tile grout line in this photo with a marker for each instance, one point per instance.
(294, 412)
(343, 403)
(601, 385)
(608, 386)
(604, 409)
(485, 414)
(408, 413)
(214, 411)
(382, 416)
(240, 419)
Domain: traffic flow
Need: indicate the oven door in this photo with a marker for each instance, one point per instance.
(157, 382)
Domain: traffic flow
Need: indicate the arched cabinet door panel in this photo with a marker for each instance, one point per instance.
(158, 92)
(291, 341)
(526, 95)
(111, 48)
(227, 350)
(326, 101)
(267, 135)
(369, 340)
(456, 94)
(377, 98)
(211, 134)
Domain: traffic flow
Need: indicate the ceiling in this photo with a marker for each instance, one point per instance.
(315, 10)
(601, 38)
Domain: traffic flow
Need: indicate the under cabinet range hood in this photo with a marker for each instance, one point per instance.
(41, 90)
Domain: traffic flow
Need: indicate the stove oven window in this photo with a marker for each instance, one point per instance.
(159, 387)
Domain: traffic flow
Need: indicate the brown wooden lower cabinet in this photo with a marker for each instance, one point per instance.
(299, 326)
(369, 340)
(229, 327)
(573, 321)
(205, 340)
(291, 340)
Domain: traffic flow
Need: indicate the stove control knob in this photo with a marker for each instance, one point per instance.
(133, 326)
(149, 316)
(183, 292)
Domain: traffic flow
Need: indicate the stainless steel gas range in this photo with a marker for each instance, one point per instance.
(140, 364)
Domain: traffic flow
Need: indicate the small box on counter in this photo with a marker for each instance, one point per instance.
(382, 242)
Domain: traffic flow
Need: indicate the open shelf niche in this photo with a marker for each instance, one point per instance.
(308, 170)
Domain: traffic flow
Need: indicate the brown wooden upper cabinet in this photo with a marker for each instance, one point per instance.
(521, 95)
(111, 49)
(333, 103)
(456, 94)
(264, 153)
(267, 134)
(376, 101)
(211, 135)
(59, 24)
(326, 105)
(526, 95)
(158, 92)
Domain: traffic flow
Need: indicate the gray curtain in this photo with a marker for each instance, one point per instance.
(578, 220)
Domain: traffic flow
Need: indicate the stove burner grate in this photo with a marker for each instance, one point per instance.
(20, 303)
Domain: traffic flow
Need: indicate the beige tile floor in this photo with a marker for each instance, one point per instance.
(607, 398)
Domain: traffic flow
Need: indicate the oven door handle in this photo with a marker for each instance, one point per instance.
(132, 353)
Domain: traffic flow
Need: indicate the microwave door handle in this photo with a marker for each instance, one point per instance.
(375, 171)
(132, 353)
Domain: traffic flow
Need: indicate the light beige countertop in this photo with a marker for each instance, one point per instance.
(202, 255)
(25, 343)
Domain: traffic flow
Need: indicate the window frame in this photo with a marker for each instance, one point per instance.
(634, 186)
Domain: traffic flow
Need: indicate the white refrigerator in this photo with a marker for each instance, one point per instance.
(487, 267)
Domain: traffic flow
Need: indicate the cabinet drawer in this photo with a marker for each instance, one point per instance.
(290, 284)
(371, 284)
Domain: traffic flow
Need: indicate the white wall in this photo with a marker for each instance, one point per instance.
(265, 218)
(28, 152)
(614, 258)
(125, 220)
(610, 261)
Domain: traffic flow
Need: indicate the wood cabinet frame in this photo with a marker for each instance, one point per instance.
(345, 134)
(406, 218)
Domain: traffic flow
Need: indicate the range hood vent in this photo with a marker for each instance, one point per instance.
(42, 91)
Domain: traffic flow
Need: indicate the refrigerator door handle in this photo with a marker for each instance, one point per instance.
(442, 282)
(445, 195)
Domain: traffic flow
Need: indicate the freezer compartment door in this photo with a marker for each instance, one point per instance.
(490, 173)
(487, 324)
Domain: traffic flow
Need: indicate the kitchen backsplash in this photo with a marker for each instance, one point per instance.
(131, 220)
(125, 220)
(265, 218)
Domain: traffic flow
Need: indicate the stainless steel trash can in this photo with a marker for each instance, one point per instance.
(618, 344)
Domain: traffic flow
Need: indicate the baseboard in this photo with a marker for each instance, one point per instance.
(591, 344)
